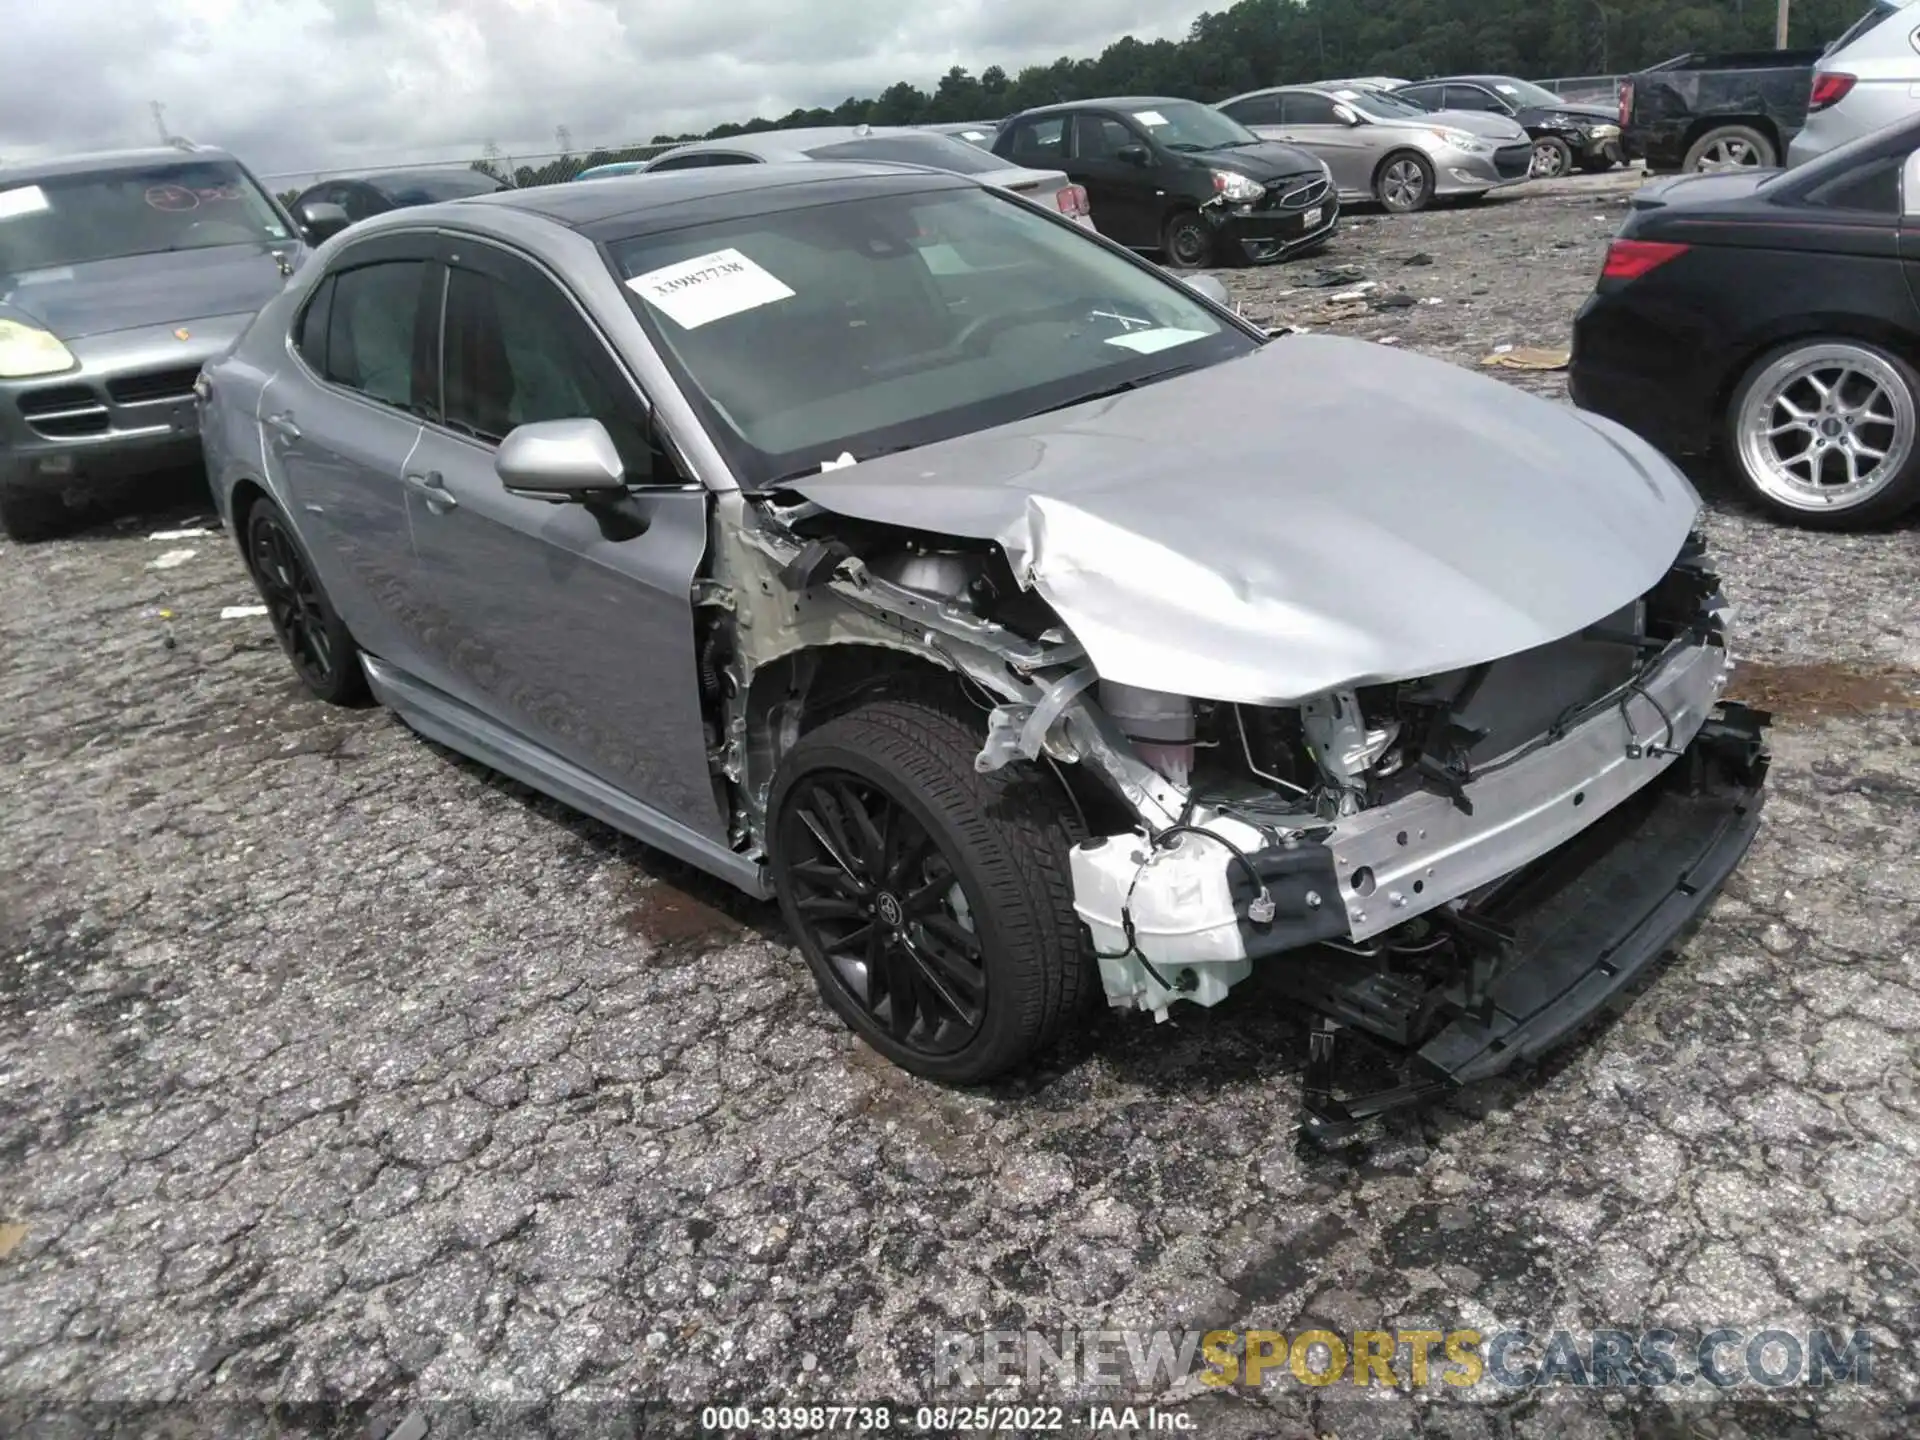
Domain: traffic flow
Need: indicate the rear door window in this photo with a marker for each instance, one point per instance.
(1040, 144)
(1255, 110)
(374, 340)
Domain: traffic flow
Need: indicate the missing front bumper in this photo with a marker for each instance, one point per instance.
(1496, 977)
(1552, 946)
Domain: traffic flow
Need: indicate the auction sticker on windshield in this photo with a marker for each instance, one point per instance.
(1149, 117)
(1146, 342)
(22, 200)
(706, 288)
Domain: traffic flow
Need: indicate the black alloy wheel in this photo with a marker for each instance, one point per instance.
(887, 911)
(315, 640)
(933, 902)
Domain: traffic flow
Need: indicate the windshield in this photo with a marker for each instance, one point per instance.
(184, 205)
(939, 152)
(1188, 125)
(863, 326)
(1380, 105)
(1525, 92)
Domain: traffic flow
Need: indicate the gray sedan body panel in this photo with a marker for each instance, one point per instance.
(1289, 563)
(549, 623)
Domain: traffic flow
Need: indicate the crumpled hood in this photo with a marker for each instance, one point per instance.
(75, 301)
(1324, 512)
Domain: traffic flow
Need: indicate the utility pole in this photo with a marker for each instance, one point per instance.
(160, 118)
(1780, 27)
(565, 137)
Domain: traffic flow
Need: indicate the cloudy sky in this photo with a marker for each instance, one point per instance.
(295, 85)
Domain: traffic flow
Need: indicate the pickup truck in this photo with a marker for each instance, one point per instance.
(1716, 112)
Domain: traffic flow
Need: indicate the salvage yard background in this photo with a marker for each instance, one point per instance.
(333, 1067)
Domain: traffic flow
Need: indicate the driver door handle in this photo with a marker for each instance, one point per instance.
(433, 489)
(284, 424)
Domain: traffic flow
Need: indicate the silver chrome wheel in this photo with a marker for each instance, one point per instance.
(1825, 427)
(1403, 185)
(1731, 152)
(1550, 159)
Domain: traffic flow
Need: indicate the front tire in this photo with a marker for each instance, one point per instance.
(933, 903)
(1822, 433)
(26, 518)
(1188, 241)
(1404, 183)
(309, 629)
(1552, 158)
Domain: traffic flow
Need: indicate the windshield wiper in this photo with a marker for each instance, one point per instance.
(1108, 392)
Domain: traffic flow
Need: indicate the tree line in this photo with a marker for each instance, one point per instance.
(1276, 42)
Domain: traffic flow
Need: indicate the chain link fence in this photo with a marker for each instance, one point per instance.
(1586, 89)
(519, 171)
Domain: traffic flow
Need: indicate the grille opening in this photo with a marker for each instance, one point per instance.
(174, 384)
(61, 412)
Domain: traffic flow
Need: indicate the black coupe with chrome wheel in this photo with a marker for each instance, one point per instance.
(1772, 317)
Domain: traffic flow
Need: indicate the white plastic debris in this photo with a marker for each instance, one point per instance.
(1433, 300)
(1503, 349)
(191, 532)
(1389, 340)
(241, 612)
(170, 559)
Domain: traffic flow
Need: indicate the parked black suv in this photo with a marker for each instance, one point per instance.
(1180, 178)
(361, 196)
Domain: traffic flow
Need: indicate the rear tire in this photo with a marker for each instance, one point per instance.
(310, 630)
(1188, 241)
(1796, 450)
(1730, 147)
(946, 936)
(26, 518)
(1404, 182)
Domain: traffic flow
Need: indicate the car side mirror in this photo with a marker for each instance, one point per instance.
(1346, 115)
(1132, 154)
(321, 220)
(561, 462)
(1209, 287)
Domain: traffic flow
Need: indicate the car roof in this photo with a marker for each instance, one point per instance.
(796, 142)
(1104, 102)
(1466, 80)
(105, 161)
(624, 206)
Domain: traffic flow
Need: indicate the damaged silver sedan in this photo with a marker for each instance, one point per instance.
(1027, 623)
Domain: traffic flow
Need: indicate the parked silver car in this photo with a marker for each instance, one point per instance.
(889, 144)
(880, 543)
(1868, 79)
(1381, 148)
(978, 133)
(119, 275)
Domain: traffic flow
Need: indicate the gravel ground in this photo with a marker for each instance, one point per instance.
(339, 1072)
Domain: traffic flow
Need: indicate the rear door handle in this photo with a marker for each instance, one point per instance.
(284, 424)
(432, 487)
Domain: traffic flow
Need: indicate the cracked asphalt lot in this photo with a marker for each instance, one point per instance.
(337, 1071)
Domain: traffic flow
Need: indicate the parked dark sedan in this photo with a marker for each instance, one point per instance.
(1565, 135)
(327, 208)
(1180, 178)
(1769, 314)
